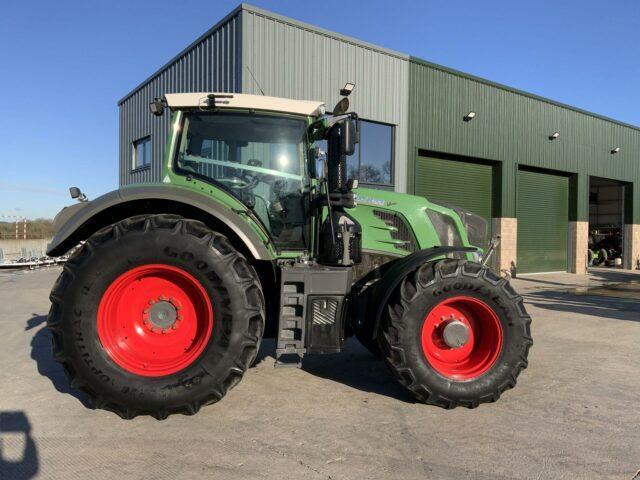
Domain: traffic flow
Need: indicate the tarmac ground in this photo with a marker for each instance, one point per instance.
(574, 413)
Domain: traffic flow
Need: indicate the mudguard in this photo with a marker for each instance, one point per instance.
(392, 277)
(73, 218)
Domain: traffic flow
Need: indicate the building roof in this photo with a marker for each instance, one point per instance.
(373, 47)
(245, 101)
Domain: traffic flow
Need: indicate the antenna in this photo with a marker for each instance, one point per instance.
(254, 79)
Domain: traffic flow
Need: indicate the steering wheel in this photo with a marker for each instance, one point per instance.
(235, 183)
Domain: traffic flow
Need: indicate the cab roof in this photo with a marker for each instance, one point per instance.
(245, 101)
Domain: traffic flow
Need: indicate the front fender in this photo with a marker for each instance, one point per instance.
(76, 218)
(377, 297)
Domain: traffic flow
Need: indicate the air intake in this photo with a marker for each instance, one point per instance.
(400, 230)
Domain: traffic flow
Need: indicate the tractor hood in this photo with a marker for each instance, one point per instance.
(400, 223)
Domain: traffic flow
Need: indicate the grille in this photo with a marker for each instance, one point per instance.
(401, 232)
(324, 311)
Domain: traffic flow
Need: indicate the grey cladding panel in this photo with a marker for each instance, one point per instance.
(294, 60)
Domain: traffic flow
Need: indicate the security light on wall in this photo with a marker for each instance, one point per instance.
(554, 135)
(347, 89)
(469, 116)
(615, 150)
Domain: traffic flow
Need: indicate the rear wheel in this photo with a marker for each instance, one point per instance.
(456, 334)
(156, 314)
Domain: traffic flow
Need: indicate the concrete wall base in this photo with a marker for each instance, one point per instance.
(12, 248)
(631, 243)
(505, 256)
(578, 244)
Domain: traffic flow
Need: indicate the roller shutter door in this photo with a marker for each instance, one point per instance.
(543, 212)
(464, 184)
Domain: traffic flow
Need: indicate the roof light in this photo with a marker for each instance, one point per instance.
(554, 135)
(469, 116)
(615, 150)
(347, 89)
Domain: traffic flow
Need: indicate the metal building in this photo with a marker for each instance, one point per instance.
(545, 174)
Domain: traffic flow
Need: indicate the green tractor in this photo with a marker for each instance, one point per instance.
(254, 231)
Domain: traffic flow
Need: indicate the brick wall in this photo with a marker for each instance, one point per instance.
(631, 242)
(578, 244)
(505, 256)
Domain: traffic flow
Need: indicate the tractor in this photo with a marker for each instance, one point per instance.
(255, 231)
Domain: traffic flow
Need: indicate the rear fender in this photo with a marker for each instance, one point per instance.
(77, 222)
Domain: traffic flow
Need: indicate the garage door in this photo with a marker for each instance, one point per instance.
(464, 184)
(543, 212)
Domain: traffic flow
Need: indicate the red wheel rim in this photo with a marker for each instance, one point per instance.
(483, 338)
(155, 320)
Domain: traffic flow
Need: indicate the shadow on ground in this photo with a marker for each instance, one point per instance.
(354, 367)
(604, 306)
(18, 450)
(598, 275)
(47, 366)
(612, 275)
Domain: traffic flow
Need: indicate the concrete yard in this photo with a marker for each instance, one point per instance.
(575, 413)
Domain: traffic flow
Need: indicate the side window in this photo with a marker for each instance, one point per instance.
(141, 153)
(372, 163)
(376, 153)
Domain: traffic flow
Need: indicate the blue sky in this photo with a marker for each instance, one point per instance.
(65, 64)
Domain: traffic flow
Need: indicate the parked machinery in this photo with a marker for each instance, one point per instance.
(163, 308)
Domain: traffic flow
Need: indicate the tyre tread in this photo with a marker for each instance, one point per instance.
(243, 271)
(414, 285)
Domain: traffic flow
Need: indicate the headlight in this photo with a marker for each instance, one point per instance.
(445, 228)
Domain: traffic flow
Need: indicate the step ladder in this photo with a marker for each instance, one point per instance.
(290, 346)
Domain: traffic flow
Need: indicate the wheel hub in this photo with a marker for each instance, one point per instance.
(455, 334)
(461, 337)
(155, 320)
(163, 314)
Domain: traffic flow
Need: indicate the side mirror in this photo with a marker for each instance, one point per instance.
(312, 156)
(348, 137)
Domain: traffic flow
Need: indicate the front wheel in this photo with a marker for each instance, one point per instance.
(456, 334)
(156, 315)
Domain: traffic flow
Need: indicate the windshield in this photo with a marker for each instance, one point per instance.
(258, 158)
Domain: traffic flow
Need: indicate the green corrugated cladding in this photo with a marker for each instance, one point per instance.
(471, 191)
(513, 128)
(542, 209)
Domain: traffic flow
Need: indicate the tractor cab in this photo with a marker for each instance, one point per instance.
(259, 150)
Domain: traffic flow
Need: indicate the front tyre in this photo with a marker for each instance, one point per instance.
(156, 315)
(456, 334)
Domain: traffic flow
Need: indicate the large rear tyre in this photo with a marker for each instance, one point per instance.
(456, 334)
(156, 315)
